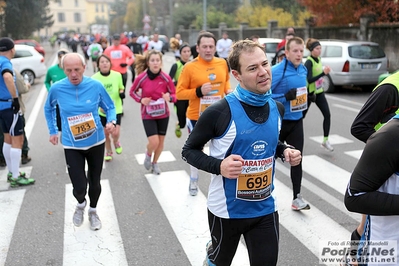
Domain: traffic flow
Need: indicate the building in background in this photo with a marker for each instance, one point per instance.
(98, 11)
(68, 15)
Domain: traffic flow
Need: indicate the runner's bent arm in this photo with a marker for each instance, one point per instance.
(47, 81)
(135, 88)
(213, 123)
(380, 159)
(310, 78)
(183, 89)
(50, 113)
(380, 107)
(107, 104)
(172, 71)
(130, 56)
(277, 81)
(9, 81)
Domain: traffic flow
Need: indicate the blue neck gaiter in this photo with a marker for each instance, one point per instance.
(252, 98)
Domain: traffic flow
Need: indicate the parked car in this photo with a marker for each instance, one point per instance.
(32, 43)
(352, 63)
(165, 40)
(270, 45)
(28, 61)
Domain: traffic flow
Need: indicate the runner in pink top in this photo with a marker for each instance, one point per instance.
(154, 89)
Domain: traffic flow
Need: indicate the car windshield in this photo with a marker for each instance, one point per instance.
(365, 51)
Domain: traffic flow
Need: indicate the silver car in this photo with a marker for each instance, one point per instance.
(352, 63)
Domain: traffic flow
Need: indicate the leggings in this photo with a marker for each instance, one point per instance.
(75, 160)
(322, 103)
(124, 80)
(261, 236)
(132, 69)
(292, 133)
(181, 109)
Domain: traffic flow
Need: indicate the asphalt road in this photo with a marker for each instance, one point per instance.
(152, 220)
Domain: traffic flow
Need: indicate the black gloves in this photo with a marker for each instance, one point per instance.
(312, 97)
(290, 95)
(15, 105)
(122, 95)
(123, 64)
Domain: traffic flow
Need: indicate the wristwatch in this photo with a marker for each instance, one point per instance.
(113, 122)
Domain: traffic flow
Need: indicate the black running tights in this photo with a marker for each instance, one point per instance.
(261, 236)
(75, 160)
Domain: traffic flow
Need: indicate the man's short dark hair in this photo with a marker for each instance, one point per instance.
(237, 49)
(205, 34)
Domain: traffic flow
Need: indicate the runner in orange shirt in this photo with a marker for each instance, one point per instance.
(121, 57)
(203, 81)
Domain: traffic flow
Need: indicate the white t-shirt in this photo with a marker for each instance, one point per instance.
(223, 47)
(155, 45)
(142, 40)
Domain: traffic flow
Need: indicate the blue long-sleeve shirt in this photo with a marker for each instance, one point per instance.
(78, 104)
(294, 77)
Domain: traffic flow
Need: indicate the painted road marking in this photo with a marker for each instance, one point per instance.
(166, 156)
(334, 139)
(338, 203)
(355, 154)
(187, 215)
(355, 110)
(326, 172)
(309, 227)
(82, 246)
(10, 204)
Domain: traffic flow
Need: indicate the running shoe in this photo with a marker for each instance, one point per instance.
(326, 145)
(155, 169)
(299, 204)
(22, 180)
(208, 249)
(193, 187)
(9, 175)
(95, 222)
(147, 161)
(108, 157)
(78, 216)
(178, 131)
(118, 147)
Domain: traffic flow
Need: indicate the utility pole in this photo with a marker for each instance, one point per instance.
(171, 18)
(144, 8)
(204, 15)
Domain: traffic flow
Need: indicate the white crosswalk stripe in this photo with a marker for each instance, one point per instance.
(336, 177)
(83, 246)
(309, 227)
(355, 154)
(334, 139)
(10, 201)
